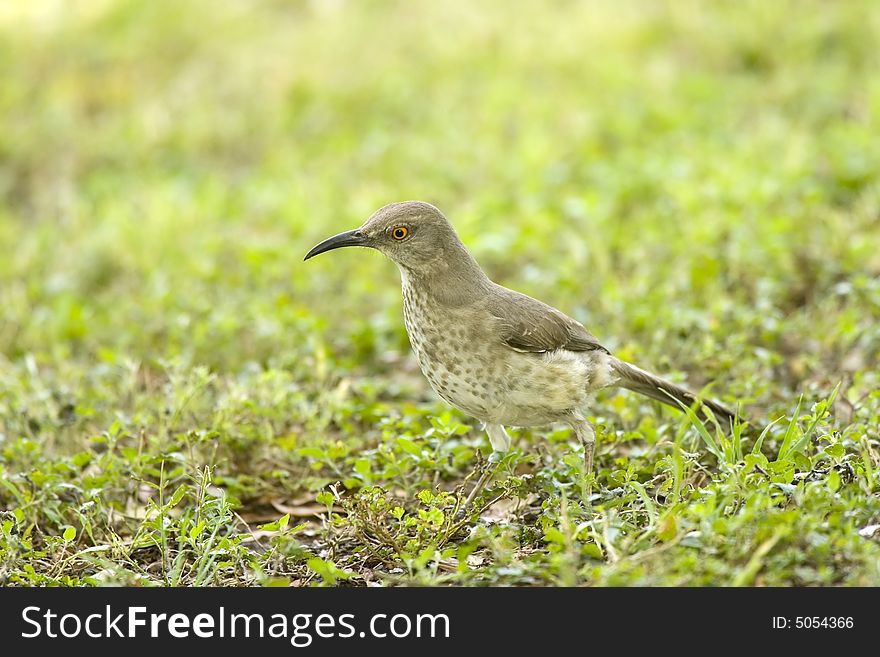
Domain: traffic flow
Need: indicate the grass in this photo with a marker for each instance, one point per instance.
(184, 402)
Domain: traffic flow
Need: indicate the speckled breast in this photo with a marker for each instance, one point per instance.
(452, 355)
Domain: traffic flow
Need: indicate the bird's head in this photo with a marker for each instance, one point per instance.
(415, 235)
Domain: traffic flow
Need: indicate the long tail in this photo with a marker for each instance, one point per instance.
(638, 380)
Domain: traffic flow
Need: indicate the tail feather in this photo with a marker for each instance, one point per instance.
(638, 380)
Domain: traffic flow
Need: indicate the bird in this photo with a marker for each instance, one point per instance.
(499, 356)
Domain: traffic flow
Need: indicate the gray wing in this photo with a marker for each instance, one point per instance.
(527, 324)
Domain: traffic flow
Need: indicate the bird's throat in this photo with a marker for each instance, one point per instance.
(451, 281)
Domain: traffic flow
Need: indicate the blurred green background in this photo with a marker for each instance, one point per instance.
(696, 182)
(651, 167)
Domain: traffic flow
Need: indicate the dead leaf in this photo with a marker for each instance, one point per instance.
(869, 531)
(302, 510)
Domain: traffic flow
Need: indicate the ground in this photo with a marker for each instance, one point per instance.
(184, 401)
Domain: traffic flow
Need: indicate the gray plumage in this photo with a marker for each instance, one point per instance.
(500, 356)
(527, 324)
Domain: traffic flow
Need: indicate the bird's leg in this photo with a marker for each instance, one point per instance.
(587, 435)
(498, 437)
(500, 442)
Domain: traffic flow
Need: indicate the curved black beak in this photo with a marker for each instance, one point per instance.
(348, 238)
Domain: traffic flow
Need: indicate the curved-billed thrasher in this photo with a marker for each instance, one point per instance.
(497, 355)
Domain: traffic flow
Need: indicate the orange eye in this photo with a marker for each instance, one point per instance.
(399, 233)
